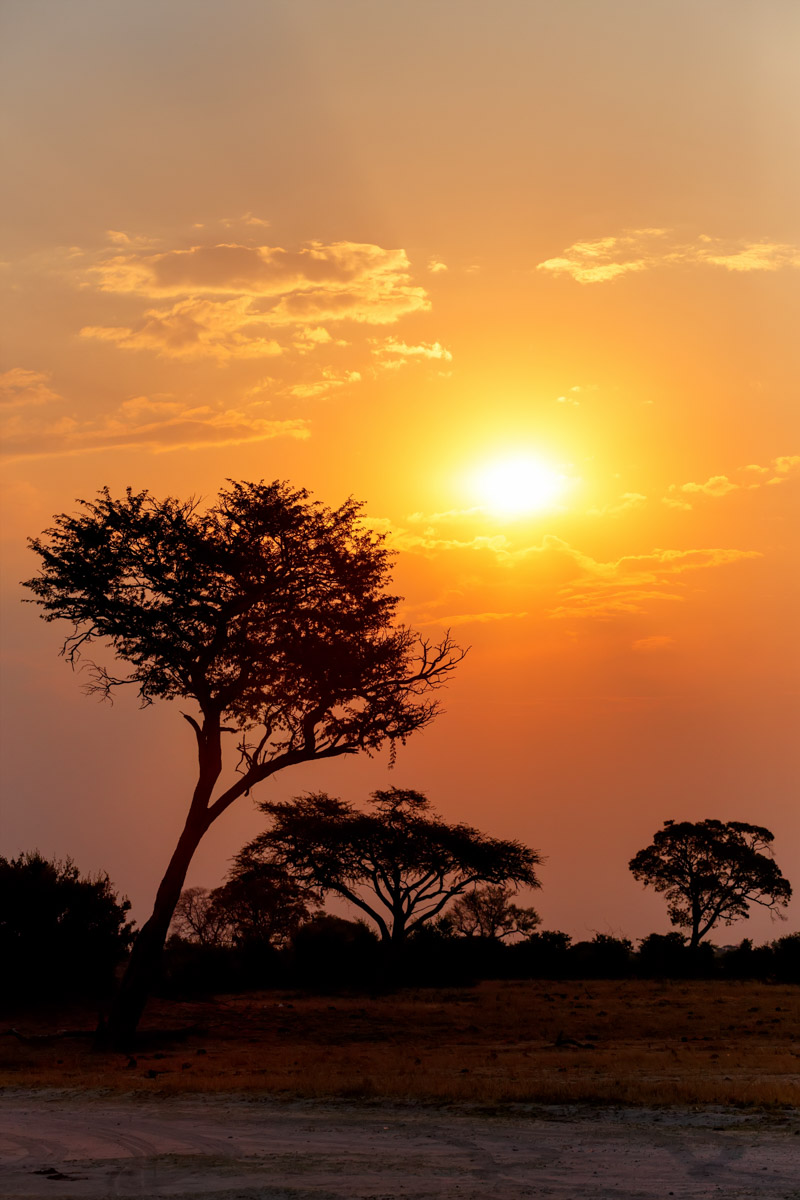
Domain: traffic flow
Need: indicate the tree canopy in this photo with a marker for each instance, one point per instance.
(399, 862)
(268, 613)
(712, 871)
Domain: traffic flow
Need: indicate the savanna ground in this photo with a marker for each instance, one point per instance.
(608, 1042)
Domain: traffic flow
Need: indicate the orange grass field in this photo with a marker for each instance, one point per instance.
(627, 1042)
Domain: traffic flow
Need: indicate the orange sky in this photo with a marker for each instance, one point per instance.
(376, 249)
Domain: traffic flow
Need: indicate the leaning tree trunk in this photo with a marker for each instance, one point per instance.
(143, 966)
(142, 969)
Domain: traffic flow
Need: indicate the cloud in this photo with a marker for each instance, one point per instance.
(195, 328)
(330, 382)
(475, 618)
(435, 267)
(654, 644)
(22, 388)
(229, 300)
(396, 354)
(552, 578)
(627, 501)
(631, 583)
(155, 423)
(750, 478)
(313, 337)
(636, 250)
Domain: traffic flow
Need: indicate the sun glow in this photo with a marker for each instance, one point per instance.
(519, 484)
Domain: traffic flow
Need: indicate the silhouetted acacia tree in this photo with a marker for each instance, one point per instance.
(399, 863)
(60, 931)
(711, 871)
(268, 612)
(489, 912)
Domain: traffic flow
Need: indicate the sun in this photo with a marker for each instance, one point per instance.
(519, 484)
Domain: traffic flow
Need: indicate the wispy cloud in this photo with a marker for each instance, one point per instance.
(747, 478)
(157, 423)
(653, 645)
(604, 259)
(624, 503)
(632, 583)
(195, 328)
(23, 388)
(395, 354)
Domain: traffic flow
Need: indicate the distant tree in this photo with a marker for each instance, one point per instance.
(710, 872)
(263, 904)
(268, 613)
(60, 932)
(197, 918)
(489, 912)
(258, 905)
(399, 863)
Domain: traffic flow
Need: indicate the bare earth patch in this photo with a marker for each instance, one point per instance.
(63, 1145)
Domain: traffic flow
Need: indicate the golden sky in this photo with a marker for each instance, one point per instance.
(522, 276)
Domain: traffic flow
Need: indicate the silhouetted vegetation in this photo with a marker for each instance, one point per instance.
(269, 613)
(399, 863)
(489, 912)
(62, 934)
(711, 872)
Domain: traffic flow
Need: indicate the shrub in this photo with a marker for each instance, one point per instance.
(61, 934)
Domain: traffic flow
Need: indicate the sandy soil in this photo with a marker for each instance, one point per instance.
(66, 1144)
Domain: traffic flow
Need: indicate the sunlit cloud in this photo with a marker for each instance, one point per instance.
(632, 583)
(325, 386)
(313, 337)
(653, 645)
(568, 582)
(395, 354)
(625, 503)
(604, 259)
(450, 620)
(230, 300)
(748, 478)
(155, 423)
(436, 268)
(195, 328)
(23, 388)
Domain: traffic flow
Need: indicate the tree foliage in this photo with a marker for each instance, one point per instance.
(60, 932)
(257, 906)
(489, 912)
(268, 613)
(712, 871)
(400, 862)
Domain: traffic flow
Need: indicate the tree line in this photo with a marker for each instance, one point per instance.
(269, 615)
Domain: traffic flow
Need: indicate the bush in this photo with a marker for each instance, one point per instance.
(61, 934)
(541, 956)
(604, 957)
(331, 954)
(786, 958)
(664, 956)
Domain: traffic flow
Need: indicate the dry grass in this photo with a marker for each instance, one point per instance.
(638, 1043)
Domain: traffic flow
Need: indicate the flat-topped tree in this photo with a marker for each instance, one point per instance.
(269, 613)
(400, 863)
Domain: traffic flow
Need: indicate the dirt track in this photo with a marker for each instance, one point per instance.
(68, 1145)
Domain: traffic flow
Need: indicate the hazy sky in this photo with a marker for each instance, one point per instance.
(523, 276)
